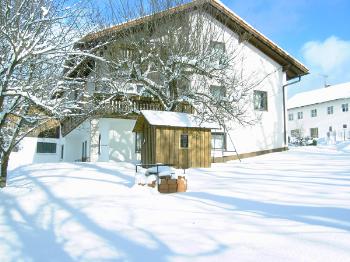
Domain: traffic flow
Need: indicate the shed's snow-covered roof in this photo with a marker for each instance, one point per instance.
(175, 119)
(322, 95)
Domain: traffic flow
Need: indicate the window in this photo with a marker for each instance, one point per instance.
(99, 144)
(345, 126)
(313, 112)
(84, 157)
(330, 110)
(217, 91)
(183, 85)
(218, 51)
(44, 147)
(138, 142)
(314, 132)
(260, 100)
(62, 151)
(218, 141)
(217, 47)
(345, 107)
(300, 115)
(295, 133)
(184, 141)
(290, 117)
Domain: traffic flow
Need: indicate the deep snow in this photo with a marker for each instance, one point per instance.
(290, 206)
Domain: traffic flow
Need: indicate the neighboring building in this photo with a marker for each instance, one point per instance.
(109, 136)
(322, 113)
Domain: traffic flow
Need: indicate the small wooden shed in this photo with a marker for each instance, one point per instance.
(173, 138)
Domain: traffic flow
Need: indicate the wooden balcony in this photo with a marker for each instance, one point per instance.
(119, 107)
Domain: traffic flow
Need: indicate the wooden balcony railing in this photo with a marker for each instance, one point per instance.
(120, 106)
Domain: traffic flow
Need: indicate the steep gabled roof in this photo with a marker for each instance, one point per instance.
(322, 95)
(293, 67)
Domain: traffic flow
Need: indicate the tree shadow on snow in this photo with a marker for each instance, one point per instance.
(38, 242)
(38, 232)
(313, 215)
(17, 175)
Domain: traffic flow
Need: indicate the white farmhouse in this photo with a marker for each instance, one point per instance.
(109, 136)
(321, 113)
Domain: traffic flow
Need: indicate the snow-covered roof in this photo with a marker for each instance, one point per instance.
(175, 119)
(322, 95)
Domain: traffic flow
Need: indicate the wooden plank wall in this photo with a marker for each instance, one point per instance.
(149, 146)
(166, 144)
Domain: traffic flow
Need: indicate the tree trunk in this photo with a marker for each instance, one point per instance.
(3, 174)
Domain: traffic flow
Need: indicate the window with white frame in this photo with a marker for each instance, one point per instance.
(290, 117)
(345, 107)
(300, 115)
(217, 50)
(313, 112)
(260, 100)
(314, 132)
(45, 148)
(218, 141)
(330, 110)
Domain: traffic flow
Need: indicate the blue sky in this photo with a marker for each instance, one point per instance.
(316, 32)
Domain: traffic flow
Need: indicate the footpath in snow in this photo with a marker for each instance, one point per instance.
(289, 206)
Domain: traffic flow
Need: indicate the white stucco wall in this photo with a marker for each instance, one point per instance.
(268, 132)
(27, 153)
(323, 120)
(73, 142)
(117, 140)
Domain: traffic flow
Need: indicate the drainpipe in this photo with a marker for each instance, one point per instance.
(284, 108)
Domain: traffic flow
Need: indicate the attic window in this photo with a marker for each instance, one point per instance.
(184, 141)
(217, 47)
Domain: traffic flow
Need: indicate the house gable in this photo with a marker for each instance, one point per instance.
(216, 9)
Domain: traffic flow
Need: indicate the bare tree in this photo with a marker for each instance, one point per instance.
(36, 39)
(177, 57)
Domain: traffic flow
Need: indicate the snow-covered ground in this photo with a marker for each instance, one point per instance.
(290, 206)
